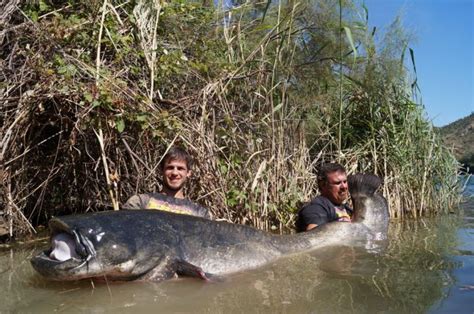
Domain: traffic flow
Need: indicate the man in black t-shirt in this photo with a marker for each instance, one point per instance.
(330, 205)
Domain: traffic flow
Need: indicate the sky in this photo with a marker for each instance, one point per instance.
(443, 48)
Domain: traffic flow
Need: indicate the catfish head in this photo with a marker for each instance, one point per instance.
(83, 249)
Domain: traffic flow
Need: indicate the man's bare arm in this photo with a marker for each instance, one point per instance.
(311, 226)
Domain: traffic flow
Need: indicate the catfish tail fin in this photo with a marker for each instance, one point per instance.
(363, 184)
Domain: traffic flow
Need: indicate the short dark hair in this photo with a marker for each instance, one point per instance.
(178, 153)
(326, 169)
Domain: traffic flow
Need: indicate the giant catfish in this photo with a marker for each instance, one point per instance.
(157, 245)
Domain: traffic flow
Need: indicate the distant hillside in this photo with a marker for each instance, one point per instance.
(460, 136)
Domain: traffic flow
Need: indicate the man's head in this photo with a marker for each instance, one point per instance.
(332, 182)
(176, 169)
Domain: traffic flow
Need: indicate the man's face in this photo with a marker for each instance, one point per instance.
(175, 174)
(335, 189)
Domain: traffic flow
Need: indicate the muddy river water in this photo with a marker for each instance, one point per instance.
(428, 266)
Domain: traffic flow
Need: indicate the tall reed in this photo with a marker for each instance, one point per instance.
(95, 93)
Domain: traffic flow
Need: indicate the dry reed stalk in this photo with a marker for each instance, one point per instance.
(110, 184)
(427, 169)
(10, 206)
(147, 15)
(99, 40)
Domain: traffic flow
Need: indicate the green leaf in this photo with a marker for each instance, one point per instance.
(88, 97)
(43, 6)
(120, 125)
(412, 56)
(223, 169)
(34, 16)
(348, 32)
(141, 117)
(277, 107)
(366, 11)
(62, 69)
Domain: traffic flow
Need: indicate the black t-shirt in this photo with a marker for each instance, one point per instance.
(320, 211)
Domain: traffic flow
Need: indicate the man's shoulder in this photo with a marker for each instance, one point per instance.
(137, 201)
(319, 201)
(317, 204)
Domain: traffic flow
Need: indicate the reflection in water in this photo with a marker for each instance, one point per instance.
(460, 295)
(414, 274)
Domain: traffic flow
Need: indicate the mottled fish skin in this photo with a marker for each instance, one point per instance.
(157, 245)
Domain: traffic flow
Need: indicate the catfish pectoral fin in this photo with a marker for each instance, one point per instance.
(187, 269)
(165, 269)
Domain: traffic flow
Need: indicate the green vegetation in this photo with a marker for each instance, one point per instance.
(459, 136)
(94, 92)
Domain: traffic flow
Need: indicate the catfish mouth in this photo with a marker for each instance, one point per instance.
(69, 250)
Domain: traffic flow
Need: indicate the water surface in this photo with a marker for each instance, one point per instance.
(428, 266)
